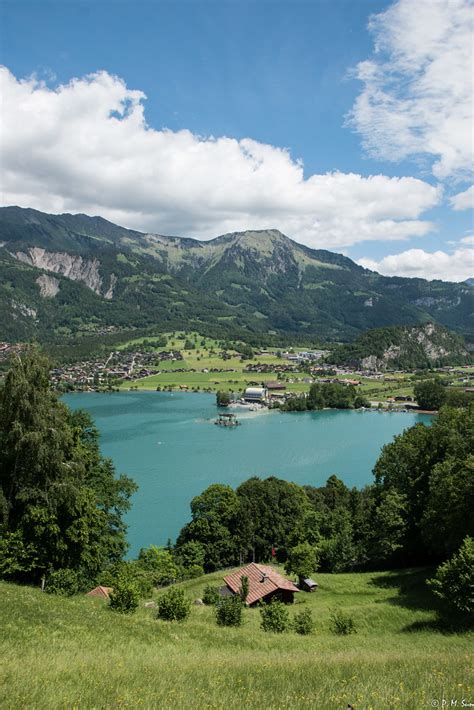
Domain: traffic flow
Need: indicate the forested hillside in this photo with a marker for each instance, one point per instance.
(405, 347)
(65, 277)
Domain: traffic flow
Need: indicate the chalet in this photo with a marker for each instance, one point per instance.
(275, 387)
(265, 584)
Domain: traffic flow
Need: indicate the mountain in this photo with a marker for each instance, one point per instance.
(403, 347)
(67, 276)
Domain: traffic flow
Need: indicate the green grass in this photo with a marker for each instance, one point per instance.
(75, 653)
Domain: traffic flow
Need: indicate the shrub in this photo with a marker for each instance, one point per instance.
(229, 611)
(274, 617)
(174, 606)
(125, 597)
(193, 571)
(303, 622)
(341, 623)
(244, 589)
(132, 572)
(454, 580)
(64, 582)
(211, 595)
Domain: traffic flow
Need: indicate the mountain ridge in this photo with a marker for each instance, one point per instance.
(259, 281)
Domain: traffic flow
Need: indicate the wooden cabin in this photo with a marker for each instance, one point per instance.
(265, 584)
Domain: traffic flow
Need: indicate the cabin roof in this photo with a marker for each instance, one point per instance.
(258, 589)
(100, 592)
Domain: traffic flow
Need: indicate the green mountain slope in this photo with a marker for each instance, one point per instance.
(407, 347)
(70, 274)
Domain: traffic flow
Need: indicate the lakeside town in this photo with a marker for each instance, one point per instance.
(260, 378)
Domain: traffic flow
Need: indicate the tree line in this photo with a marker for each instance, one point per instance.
(417, 511)
(62, 506)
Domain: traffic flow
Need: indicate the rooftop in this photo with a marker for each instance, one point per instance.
(263, 580)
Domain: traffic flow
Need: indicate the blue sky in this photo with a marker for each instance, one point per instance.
(228, 84)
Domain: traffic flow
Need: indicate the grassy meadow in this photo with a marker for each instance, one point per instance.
(204, 357)
(76, 653)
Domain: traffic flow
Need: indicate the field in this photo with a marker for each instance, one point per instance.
(76, 653)
(205, 357)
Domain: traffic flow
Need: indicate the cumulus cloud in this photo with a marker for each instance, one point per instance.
(457, 266)
(463, 200)
(86, 146)
(418, 88)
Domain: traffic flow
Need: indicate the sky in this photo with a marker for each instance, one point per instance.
(346, 124)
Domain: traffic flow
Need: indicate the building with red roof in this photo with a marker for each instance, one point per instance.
(103, 592)
(265, 583)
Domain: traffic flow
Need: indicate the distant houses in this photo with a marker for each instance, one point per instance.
(265, 584)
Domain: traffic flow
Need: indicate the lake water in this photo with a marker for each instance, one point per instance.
(168, 444)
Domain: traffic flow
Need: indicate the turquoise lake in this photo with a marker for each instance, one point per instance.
(169, 445)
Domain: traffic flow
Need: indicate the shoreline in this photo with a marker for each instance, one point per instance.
(259, 410)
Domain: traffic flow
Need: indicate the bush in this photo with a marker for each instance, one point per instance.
(63, 582)
(211, 595)
(244, 589)
(193, 571)
(341, 623)
(303, 622)
(125, 597)
(454, 580)
(229, 611)
(274, 617)
(132, 572)
(174, 606)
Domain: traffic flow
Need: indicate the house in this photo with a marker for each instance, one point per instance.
(103, 592)
(275, 386)
(265, 584)
(308, 585)
(255, 394)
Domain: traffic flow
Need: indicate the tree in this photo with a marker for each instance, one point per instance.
(191, 557)
(302, 560)
(431, 467)
(246, 352)
(61, 503)
(214, 515)
(430, 394)
(222, 399)
(390, 523)
(244, 589)
(160, 563)
(447, 516)
(454, 580)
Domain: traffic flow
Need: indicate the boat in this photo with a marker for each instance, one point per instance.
(227, 419)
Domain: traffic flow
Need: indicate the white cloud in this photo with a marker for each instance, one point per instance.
(418, 88)
(463, 200)
(457, 266)
(85, 146)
